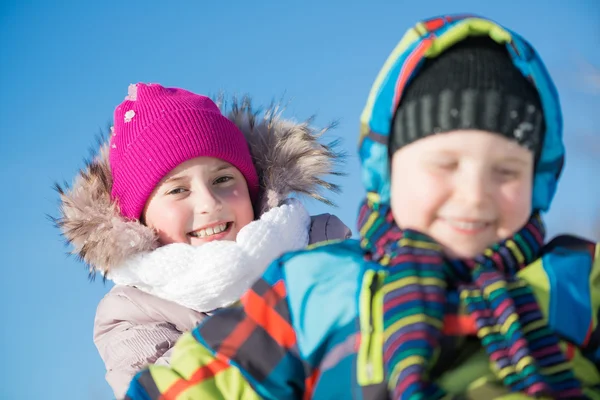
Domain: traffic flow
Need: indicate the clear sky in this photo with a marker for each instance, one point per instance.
(66, 65)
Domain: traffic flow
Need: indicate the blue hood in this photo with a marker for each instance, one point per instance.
(428, 39)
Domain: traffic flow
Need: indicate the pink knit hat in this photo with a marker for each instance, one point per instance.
(158, 128)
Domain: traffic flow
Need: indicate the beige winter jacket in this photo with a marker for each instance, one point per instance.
(133, 328)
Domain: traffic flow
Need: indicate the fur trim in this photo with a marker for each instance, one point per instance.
(288, 157)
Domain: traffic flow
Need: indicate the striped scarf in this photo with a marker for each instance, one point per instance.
(524, 353)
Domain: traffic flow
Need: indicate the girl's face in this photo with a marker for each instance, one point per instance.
(202, 200)
(465, 189)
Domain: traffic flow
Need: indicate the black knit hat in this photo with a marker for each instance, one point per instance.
(472, 85)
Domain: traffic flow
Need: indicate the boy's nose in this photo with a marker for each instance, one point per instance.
(472, 188)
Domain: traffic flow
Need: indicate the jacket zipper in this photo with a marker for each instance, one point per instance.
(373, 287)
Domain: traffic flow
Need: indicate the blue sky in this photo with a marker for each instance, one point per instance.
(65, 67)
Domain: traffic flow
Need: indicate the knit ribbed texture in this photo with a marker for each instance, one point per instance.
(158, 128)
(473, 85)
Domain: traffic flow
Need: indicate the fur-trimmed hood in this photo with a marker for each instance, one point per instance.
(288, 156)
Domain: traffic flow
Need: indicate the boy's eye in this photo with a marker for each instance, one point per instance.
(446, 165)
(176, 191)
(222, 179)
(507, 173)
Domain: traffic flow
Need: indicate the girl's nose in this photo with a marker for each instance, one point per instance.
(207, 202)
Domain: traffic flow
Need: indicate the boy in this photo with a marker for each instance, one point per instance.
(450, 293)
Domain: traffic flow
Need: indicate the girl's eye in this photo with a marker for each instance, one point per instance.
(176, 191)
(222, 179)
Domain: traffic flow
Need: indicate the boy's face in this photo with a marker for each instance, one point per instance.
(202, 200)
(465, 189)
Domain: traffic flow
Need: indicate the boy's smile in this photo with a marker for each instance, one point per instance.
(467, 226)
(465, 189)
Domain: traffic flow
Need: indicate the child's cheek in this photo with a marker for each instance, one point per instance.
(415, 200)
(172, 224)
(515, 205)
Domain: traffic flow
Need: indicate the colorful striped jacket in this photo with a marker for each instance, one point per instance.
(297, 337)
(312, 327)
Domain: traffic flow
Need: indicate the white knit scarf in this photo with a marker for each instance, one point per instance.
(217, 273)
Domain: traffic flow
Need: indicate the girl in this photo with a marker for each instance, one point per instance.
(183, 210)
